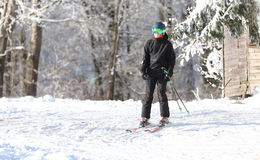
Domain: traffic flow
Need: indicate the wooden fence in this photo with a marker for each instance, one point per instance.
(241, 64)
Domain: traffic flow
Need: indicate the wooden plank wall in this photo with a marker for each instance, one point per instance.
(254, 67)
(235, 64)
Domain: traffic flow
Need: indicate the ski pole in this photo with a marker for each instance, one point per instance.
(176, 100)
(181, 100)
(166, 76)
(176, 93)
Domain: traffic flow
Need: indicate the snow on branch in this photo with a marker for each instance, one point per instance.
(10, 49)
(27, 12)
(201, 33)
(205, 21)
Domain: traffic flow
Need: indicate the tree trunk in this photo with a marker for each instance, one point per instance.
(114, 53)
(3, 43)
(128, 40)
(33, 56)
(165, 12)
(98, 78)
(22, 63)
(5, 17)
(8, 74)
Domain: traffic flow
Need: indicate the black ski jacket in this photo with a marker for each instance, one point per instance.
(158, 53)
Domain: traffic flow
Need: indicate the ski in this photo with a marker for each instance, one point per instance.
(157, 128)
(154, 129)
(133, 130)
(143, 125)
(149, 128)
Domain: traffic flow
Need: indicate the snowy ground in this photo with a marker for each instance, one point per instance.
(56, 129)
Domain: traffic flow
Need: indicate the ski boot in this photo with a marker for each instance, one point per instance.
(143, 122)
(164, 121)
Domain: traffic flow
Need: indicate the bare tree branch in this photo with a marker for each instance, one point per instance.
(10, 49)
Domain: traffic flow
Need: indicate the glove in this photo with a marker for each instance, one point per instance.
(145, 76)
(167, 74)
(167, 77)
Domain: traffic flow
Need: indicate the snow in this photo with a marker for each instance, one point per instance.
(48, 128)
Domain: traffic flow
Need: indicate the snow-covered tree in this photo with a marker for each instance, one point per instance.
(6, 22)
(89, 41)
(13, 15)
(201, 34)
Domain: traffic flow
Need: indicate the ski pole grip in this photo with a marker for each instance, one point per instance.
(165, 70)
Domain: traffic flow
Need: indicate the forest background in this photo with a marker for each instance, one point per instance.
(92, 49)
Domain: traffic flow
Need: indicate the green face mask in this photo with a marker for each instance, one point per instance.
(158, 30)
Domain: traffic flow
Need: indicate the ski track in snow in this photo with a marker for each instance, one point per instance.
(60, 129)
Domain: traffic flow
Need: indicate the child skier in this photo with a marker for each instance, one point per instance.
(158, 55)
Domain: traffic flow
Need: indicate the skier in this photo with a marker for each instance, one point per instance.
(158, 54)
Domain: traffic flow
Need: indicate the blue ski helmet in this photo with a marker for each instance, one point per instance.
(159, 25)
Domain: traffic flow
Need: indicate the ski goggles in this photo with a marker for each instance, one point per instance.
(158, 30)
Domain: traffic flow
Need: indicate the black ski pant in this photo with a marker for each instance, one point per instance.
(148, 99)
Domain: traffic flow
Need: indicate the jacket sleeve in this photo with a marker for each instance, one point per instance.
(146, 59)
(171, 59)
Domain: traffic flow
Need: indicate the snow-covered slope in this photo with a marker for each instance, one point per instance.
(61, 129)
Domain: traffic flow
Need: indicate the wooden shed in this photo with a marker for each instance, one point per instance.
(241, 65)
